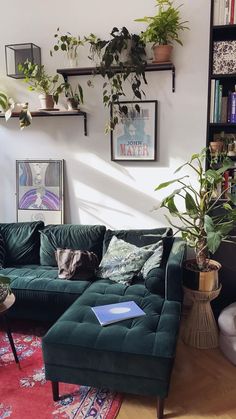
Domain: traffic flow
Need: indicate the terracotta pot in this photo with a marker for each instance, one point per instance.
(72, 104)
(46, 101)
(216, 146)
(201, 281)
(162, 53)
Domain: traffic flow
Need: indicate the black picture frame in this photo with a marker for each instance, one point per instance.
(134, 137)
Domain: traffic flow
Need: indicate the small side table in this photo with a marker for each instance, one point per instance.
(201, 329)
(4, 307)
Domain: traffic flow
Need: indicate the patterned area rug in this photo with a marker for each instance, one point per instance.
(26, 394)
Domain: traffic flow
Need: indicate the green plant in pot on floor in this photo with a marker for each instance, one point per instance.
(39, 81)
(5, 289)
(7, 105)
(205, 220)
(163, 29)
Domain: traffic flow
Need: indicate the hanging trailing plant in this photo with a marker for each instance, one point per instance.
(122, 59)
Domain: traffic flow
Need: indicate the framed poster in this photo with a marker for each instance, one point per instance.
(134, 137)
(39, 191)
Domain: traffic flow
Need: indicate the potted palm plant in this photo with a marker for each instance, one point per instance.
(7, 105)
(39, 81)
(206, 219)
(162, 29)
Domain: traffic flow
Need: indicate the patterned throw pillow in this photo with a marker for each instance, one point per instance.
(2, 252)
(154, 260)
(122, 261)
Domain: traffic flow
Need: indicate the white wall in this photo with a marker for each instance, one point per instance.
(98, 191)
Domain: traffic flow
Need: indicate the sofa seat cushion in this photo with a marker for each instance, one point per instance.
(40, 295)
(70, 236)
(141, 347)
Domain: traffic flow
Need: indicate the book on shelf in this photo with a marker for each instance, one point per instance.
(224, 108)
(112, 313)
(224, 12)
(233, 108)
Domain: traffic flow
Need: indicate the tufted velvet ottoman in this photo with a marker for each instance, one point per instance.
(132, 356)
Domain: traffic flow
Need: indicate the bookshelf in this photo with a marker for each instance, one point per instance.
(222, 30)
(221, 112)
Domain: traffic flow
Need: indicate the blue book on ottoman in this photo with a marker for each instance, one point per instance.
(112, 313)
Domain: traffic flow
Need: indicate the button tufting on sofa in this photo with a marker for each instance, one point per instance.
(133, 356)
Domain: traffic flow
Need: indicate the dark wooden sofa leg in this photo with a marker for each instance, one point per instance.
(55, 390)
(160, 408)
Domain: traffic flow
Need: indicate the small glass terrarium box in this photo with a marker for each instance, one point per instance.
(17, 54)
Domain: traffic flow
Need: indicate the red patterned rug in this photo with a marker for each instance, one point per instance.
(26, 394)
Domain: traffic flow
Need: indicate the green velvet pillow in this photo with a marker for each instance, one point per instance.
(21, 242)
(70, 236)
(122, 261)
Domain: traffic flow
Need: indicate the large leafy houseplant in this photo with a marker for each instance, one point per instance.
(164, 27)
(206, 220)
(7, 105)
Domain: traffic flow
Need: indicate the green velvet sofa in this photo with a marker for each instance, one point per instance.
(134, 355)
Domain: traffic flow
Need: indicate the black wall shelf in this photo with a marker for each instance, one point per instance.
(54, 113)
(88, 71)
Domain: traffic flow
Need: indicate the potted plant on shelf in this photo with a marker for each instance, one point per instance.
(7, 105)
(5, 289)
(163, 29)
(39, 81)
(122, 59)
(74, 96)
(69, 44)
(205, 220)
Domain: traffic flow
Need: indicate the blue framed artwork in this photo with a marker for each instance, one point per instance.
(134, 137)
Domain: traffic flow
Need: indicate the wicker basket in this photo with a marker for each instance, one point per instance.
(4, 291)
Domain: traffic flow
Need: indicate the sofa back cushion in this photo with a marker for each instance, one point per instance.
(70, 236)
(21, 242)
(142, 238)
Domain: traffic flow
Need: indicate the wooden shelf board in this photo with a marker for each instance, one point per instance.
(223, 76)
(87, 71)
(52, 114)
(227, 27)
(48, 113)
(222, 124)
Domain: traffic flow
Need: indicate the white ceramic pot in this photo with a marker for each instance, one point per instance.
(46, 101)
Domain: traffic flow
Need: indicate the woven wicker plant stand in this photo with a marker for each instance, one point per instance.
(201, 329)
